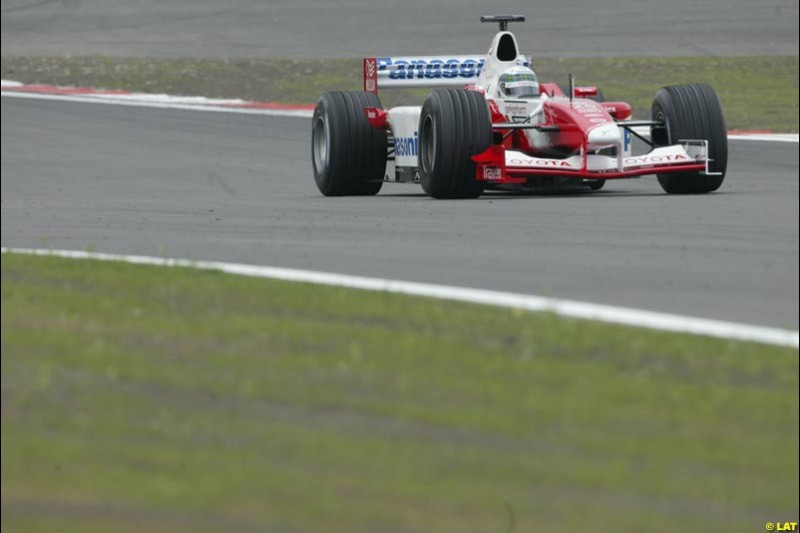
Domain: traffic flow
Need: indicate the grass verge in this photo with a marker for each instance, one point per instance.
(757, 92)
(182, 400)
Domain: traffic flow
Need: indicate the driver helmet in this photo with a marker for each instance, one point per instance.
(519, 82)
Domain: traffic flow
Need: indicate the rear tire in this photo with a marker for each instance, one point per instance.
(348, 154)
(691, 112)
(454, 125)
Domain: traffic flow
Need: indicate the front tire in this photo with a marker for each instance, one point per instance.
(691, 112)
(454, 125)
(348, 154)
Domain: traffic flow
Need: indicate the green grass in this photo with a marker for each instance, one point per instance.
(144, 398)
(757, 92)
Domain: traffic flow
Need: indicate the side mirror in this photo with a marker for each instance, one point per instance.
(585, 92)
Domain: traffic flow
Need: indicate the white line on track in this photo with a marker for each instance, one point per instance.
(771, 137)
(165, 101)
(740, 136)
(567, 308)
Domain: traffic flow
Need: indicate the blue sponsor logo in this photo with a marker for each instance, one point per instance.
(626, 138)
(432, 69)
(406, 146)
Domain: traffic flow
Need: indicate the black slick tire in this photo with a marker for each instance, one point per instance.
(454, 125)
(347, 153)
(691, 112)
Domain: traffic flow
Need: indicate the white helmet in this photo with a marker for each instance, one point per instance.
(518, 82)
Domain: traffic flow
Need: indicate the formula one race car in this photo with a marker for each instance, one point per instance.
(501, 128)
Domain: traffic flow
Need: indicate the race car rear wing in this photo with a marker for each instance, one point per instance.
(426, 71)
(423, 71)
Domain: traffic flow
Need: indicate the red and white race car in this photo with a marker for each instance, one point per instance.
(490, 124)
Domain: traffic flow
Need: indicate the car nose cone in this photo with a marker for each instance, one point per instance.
(604, 134)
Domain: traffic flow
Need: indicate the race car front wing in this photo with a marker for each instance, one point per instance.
(499, 165)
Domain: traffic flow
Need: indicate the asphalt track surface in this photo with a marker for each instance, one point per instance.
(229, 187)
(354, 28)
